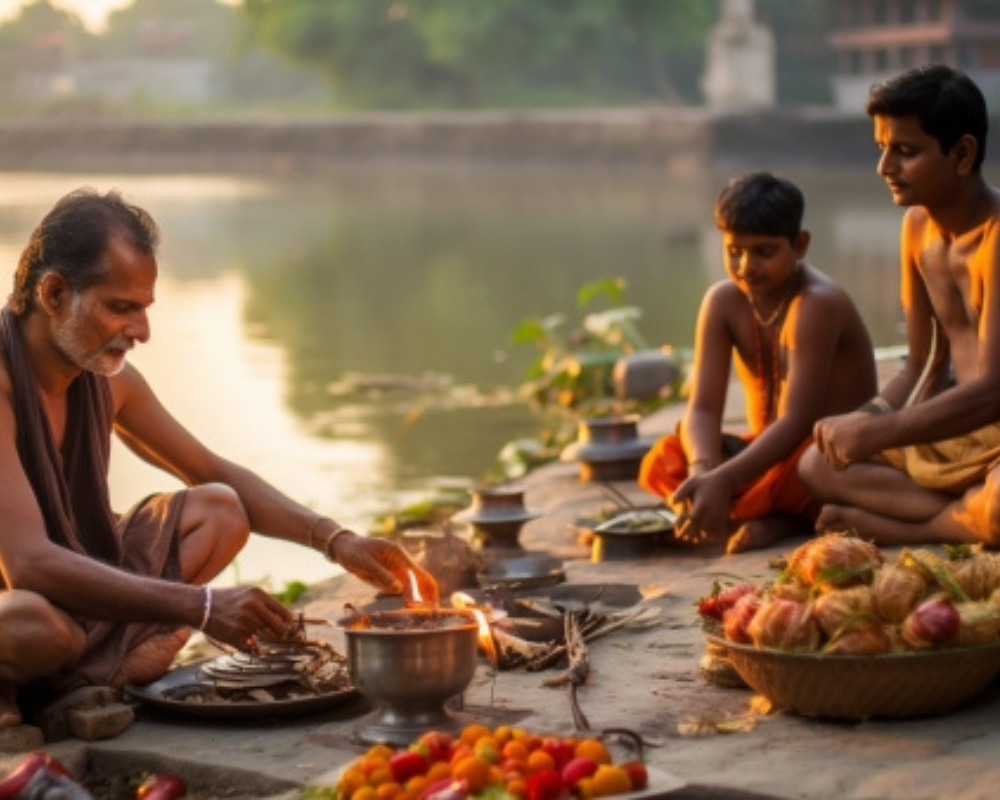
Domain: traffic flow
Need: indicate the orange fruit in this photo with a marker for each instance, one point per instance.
(416, 784)
(475, 770)
(438, 771)
(503, 734)
(540, 761)
(517, 787)
(364, 793)
(594, 749)
(515, 751)
(583, 789)
(387, 791)
(352, 780)
(487, 748)
(473, 733)
(609, 780)
(380, 752)
(379, 775)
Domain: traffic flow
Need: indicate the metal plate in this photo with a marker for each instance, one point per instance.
(164, 692)
(529, 571)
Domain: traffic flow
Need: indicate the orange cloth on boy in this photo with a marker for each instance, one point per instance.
(665, 467)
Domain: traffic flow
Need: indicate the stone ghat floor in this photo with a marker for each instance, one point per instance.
(646, 680)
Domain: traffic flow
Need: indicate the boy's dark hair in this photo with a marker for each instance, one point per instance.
(947, 102)
(760, 203)
(72, 240)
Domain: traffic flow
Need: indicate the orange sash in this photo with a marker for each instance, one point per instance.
(664, 468)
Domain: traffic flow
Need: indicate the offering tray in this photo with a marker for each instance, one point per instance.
(891, 685)
(188, 692)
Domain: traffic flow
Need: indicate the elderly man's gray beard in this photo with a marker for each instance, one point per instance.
(107, 360)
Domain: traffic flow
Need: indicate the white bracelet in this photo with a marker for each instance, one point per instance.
(208, 608)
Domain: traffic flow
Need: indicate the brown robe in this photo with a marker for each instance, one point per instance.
(71, 487)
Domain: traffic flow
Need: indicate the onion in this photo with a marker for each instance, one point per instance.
(934, 622)
(737, 619)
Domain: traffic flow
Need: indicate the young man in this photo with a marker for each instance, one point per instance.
(91, 597)
(919, 462)
(801, 352)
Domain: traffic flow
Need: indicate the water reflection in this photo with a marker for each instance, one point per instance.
(273, 288)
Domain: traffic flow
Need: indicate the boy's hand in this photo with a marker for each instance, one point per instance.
(704, 502)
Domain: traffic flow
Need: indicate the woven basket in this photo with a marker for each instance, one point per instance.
(894, 685)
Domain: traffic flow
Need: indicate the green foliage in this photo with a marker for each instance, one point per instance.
(291, 593)
(456, 53)
(573, 374)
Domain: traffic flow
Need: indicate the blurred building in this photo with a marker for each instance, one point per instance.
(875, 39)
(740, 62)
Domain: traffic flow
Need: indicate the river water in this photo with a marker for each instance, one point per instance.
(275, 290)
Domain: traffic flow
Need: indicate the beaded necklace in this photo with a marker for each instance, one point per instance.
(769, 379)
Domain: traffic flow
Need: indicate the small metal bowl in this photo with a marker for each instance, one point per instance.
(409, 664)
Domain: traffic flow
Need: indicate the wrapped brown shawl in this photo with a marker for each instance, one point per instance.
(71, 486)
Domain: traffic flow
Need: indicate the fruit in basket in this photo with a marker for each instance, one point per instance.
(834, 610)
(978, 622)
(978, 574)
(896, 590)
(716, 604)
(784, 625)
(835, 559)
(736, 621)
(933, 623)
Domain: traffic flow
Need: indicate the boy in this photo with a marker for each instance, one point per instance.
(801, 352)
(918, 464)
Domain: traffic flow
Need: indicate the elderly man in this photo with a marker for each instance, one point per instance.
(94, 598)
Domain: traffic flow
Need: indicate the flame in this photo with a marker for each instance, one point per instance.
(464, 602)
(414, 597)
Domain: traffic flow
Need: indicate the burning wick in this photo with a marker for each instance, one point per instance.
(413, 597)
(464, 602)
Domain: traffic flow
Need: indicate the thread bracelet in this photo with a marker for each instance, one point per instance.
(207, 612)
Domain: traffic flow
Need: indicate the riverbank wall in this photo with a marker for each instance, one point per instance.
(679, 139)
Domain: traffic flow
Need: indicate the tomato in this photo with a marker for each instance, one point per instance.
(561, 752)
(577, 769)
(438, 744)
(162, 786)
(407, 764)
(637, 773)
(545, 785)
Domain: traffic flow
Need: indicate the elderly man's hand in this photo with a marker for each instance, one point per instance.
(384, 565)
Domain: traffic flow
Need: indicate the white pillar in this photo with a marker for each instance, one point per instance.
(740, 72)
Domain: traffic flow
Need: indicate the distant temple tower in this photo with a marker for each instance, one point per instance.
(741, 61)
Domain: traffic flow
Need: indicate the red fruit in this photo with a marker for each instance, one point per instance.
(545, 785)
(407, 764)
(438, 744)
(578, 769)
(163, 786)
(718, 603)
(637, 773)
(561, 752)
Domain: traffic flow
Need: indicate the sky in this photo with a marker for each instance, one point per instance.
(93, 13)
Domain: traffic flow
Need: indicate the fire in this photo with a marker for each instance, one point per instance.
(415, 598)
(465, 602)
